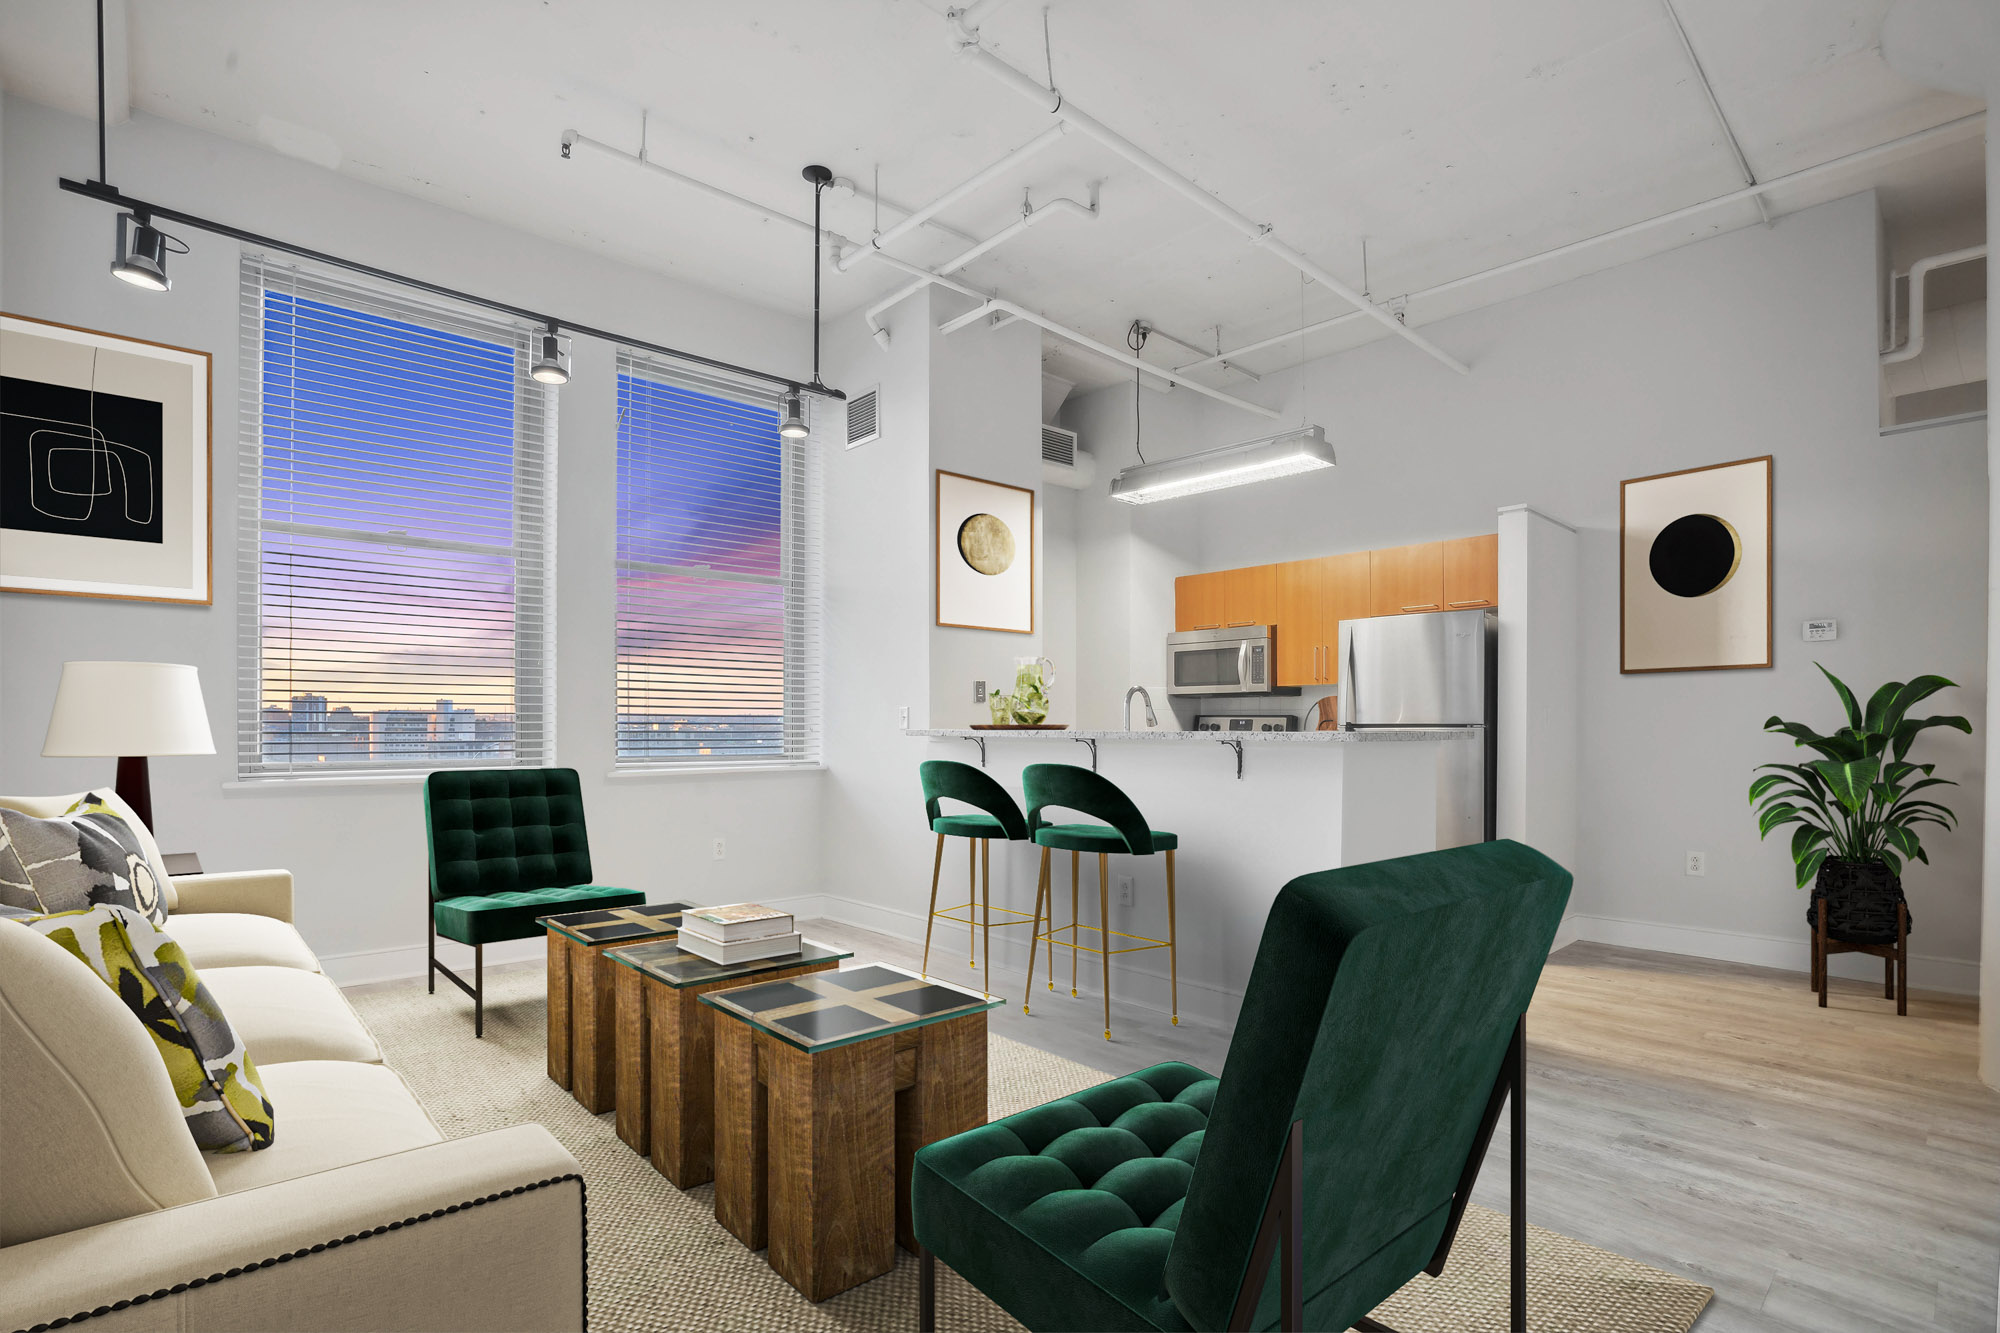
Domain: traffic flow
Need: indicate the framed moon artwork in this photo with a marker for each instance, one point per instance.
(1694, 569)
(104, 465)
(985, 558)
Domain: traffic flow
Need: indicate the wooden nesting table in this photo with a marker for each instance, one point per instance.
(826, 1085)
(582, 1020)
(665, 1066)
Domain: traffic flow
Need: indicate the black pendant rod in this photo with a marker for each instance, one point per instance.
(102, 174)
(107, 194)
(820, 178)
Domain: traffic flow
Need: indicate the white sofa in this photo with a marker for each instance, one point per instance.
(359, 1216)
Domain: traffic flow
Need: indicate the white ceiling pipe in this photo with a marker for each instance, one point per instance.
(1715, 107)
(1913, 346)
(1257, 233)
(1253, 377)
(1001, 237)
(1951, 129)
(992, 304)
(1954, 354)
(952, 196)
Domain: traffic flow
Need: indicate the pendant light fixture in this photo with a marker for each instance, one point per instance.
(141, 258)
(552, 361)
(1301, 450)
(793, 426)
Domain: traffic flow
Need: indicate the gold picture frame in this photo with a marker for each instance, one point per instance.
(1695, 565)
(983, 554)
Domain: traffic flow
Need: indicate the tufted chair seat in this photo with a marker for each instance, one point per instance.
(1074, 1204)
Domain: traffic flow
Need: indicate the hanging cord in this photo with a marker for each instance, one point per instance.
(1135, 338)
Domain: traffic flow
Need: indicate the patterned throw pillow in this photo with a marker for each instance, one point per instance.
(86, 856)
(214, 1077)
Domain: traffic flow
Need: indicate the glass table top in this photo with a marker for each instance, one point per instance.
(666, 961)
(822, 1010)
(602, 925)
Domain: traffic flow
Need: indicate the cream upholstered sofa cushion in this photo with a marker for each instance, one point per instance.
(239, 939)
(336, 1113)
(286, 1013)
(89, 1122)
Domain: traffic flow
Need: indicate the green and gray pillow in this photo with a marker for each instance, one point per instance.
(216, 1080)
(87, 856)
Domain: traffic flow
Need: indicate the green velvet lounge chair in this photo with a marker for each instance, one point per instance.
(1381, 1032)
(507, 845)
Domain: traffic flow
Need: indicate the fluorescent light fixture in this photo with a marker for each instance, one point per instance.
(551, 358)
(142, 254)
(1301, 450)
(793, 427)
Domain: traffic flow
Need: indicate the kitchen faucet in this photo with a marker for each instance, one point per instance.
(1152, 720)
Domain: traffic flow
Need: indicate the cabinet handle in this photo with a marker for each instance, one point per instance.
(1239, 624)
(1477, 601)
(1319, 662)
(1427, 606)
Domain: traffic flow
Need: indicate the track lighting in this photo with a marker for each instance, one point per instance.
(793, 427)
(551, 357)
(142, 253)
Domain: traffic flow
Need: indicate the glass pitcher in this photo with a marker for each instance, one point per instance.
(1032, 677)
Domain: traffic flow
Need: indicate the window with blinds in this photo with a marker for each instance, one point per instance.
(396, 553)
(718, 574)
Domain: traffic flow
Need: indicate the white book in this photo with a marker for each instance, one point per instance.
(740, 951)
(715, 935)
(735, 921)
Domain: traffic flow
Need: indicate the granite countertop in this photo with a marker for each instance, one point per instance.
(1165, 736)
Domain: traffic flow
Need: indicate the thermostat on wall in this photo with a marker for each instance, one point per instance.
(1818, 631)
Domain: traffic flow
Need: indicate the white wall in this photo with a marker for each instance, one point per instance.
(1761, 341)
(359, 852)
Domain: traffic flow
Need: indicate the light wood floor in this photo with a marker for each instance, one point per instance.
(1823, 1170)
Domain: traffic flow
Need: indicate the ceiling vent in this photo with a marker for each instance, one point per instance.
(864, 422)
(1063, 463)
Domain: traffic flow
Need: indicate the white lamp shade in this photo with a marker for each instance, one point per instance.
(128, 708)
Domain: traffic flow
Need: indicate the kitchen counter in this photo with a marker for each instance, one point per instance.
(1170, 736)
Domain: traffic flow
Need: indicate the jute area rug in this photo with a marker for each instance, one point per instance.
(659, 1261)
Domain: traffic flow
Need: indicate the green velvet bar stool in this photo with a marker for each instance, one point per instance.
(1121, 828)
(997, 817)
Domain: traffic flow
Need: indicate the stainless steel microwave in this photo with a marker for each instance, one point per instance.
(1236, 660)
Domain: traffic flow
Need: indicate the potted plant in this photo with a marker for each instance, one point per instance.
(1857, 804)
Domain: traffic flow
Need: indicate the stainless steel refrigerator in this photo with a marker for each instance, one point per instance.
(1431, 670)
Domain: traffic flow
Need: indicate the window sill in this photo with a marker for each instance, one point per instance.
(637, 774)
(279, 782)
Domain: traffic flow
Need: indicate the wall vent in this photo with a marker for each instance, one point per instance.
(1059, 446)
(864, 422)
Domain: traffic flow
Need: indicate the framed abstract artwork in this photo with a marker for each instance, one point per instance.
(985, 557)
(1694, 569)
(104, 465)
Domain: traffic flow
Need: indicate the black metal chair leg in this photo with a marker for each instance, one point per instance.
(431, 952)
(926, 1290)
(1517, 1163)
(478, 990)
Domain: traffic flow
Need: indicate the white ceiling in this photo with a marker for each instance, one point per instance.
(1453, 135)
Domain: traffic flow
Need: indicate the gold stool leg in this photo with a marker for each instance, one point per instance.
(971, 897)
(1173, 948)
(1035, 931)
(1075, 860)
(986, 912)
(1104, 932)
(930, 917)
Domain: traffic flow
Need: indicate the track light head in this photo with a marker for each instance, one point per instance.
(793, 427)
(552, 358)
(142, 253)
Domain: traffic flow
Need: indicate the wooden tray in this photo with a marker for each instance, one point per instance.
(1020, 726)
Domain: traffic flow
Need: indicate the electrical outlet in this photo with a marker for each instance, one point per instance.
(903, 717)
(719, 850)
(1819, 631)
(1697, 863)
(979, 691)
(1124, 890)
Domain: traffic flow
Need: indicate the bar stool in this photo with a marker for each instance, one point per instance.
(1123, 829)
(945, 779)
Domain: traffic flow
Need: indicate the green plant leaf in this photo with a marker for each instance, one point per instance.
(1906, 842)
(1759, 786)
(1879, 704)
(1908, 730)
(1848, 780)
(1907, 697)
(1810, 866)
(1808, 837)
(1855, 717)
(1774, 817)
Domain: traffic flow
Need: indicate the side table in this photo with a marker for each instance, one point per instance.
(665, 1064)
(825, 1087)
(581, 1017)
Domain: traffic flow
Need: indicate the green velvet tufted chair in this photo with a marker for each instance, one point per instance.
(507, 845)
(1381, 1032)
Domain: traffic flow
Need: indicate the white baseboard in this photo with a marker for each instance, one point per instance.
(1792, 953)
(395, 964)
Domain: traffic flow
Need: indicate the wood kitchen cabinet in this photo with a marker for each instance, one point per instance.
(1472, 572)
(1313, 597)
(1250, 596)
(1198, 601)
(1345, 585)
(1406, 579)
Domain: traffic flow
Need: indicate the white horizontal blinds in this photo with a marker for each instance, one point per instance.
(395, 563)
(718, 573)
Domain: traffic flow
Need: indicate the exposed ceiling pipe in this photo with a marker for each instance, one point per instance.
(966, 41)
(1715, 106)
(1028, 218)
(1949, 130)
(953, 195)
(992, 304)
(1954, 354)
(1913, 346)
(1252, 376)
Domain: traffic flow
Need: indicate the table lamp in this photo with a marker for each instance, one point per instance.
(129, 710)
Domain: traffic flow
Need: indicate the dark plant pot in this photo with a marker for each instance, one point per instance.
(1860, 898)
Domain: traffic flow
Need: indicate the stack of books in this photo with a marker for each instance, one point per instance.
(737, 933)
